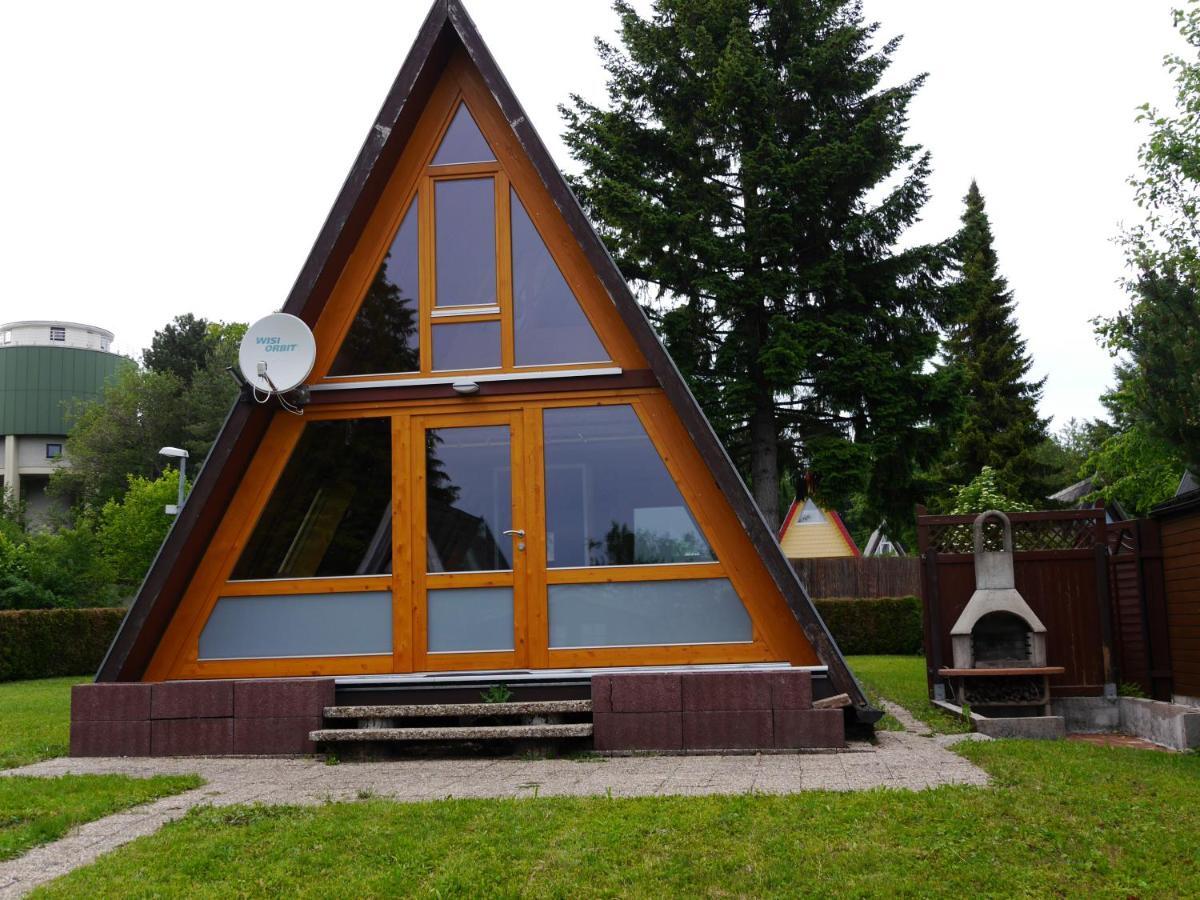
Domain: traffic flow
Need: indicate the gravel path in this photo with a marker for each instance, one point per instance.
(899, 760)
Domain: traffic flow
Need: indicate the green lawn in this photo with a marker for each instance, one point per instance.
(1061, 818)
(38, 810)
(35, 719)
(1064, 818)
(901, 679)
(35, 724)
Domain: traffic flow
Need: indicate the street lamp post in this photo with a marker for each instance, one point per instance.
(181, 455)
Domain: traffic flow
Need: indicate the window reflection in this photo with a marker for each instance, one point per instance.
(463, 142)
(468, 497)
(331, 510)
(549, 325)
(465, 211)
(466, 345)
(610, 500)
(384, 336)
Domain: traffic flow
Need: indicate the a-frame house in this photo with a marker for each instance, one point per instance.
(499, 467)
(810, 531)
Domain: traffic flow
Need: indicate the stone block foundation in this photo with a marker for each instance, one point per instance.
(267, 717)
(769, 710)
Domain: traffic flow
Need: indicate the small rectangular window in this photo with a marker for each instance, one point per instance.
(58, 334)
(465, 232)
(53, 451)
(8, 337)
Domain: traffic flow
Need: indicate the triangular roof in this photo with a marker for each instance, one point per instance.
(446, 29)
(876, 542)
(822, 536)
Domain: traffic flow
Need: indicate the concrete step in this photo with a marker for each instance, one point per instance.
(531, 708)
(461, 733)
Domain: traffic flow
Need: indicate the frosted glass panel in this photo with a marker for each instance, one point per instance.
(463, 142)
(470, 619)
(549, 326)
(624, 614)
(298, 625)
(465, 210)
(610, 501)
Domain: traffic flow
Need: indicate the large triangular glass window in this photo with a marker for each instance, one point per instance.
(549, 326)
(330, 513)
(463, 142)
(385, 334)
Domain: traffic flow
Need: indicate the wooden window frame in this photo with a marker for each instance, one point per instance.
(177, 656)
(413, 181)
(775, 636)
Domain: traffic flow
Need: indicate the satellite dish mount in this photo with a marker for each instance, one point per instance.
(275, 357)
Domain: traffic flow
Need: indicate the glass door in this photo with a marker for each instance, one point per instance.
(469, 542)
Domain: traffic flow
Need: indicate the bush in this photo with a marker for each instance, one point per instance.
(881, 625)
(132, 529)
(46, 643)
(54, 569)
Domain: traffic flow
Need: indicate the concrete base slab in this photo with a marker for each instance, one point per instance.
(1169, 725)
(1088, 715)
(1042, 728)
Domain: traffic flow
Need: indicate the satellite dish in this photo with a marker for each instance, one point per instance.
(277, 353)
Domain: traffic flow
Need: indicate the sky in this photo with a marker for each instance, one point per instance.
(161, 158)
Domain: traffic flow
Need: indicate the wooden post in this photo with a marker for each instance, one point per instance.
(1104, 599)
(1154, 608)
(929, 599)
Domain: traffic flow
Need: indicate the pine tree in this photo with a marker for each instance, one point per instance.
(999, 425)
(752, 175)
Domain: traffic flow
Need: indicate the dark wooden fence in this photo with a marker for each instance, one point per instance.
(1140, 632)
(1179, 522)
(877, 576)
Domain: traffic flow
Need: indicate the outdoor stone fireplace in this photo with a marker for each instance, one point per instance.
(997, 629)
(999, 643)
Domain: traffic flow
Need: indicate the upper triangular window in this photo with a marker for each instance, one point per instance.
(463, 142)
(385, 334)
(810, 514)
(549, 326)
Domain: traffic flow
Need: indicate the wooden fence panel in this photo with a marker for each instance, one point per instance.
(861, 577)
(1181, 571)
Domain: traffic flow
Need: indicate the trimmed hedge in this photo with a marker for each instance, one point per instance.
(880, 625)
(47, 643)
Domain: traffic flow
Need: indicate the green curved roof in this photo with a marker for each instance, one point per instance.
(37, 383)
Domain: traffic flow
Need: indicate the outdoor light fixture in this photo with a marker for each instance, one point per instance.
(182, 456)
(466, 387)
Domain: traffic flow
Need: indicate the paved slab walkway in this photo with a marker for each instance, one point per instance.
(899, 760)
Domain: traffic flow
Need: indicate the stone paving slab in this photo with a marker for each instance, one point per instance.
(902, 761)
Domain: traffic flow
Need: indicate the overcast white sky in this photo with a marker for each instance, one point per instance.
(159, 158)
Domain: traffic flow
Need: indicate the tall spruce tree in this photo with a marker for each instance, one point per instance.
(752, 175)
(999, 425)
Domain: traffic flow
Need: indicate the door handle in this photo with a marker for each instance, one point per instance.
(515, 531)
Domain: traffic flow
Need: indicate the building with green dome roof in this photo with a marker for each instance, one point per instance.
(44, 366)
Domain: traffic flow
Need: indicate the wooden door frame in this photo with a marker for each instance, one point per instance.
(516, 578)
